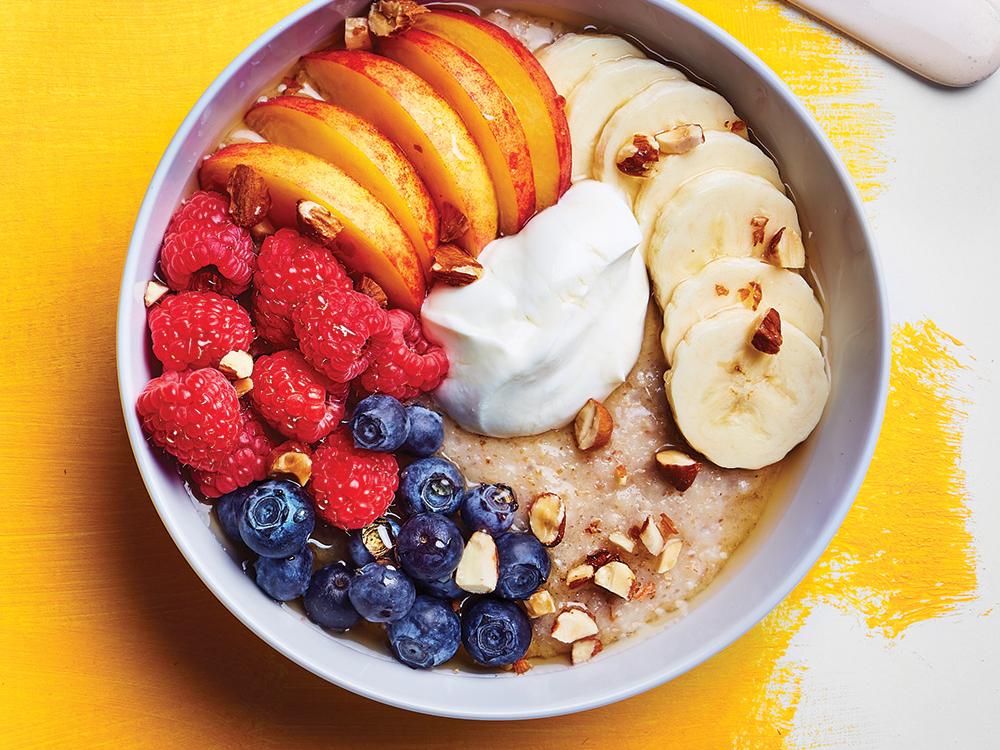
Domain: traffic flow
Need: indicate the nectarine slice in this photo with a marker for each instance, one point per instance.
(484, 108)
(362, 151)
(371, 242)
(524, 81)
(424, 126)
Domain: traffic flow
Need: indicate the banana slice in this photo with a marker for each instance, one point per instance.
(660, 106)
(743, 282)
(721, 150)
(739, 407)
(710, 217)
(602, 91)
(570, 57)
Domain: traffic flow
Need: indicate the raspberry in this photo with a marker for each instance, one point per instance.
(193, 415)
(288, 267)
(197, 329)
(351, 486)
(246, 463)
(295, 399)
(204, 250)
(407, 364)
(339, 331)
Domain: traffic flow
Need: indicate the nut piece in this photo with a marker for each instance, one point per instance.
(547, 518)
(455, 267)
(767, 337)
(751, 294)
(593, 426)
(576, 577)
(357, 34)
(601, 557)
(377, 537)
(651, 536)
(521, 666)
(621, 475)
(681, 139)
(540, 603)
(618, 578)
(479, 567)
(261, 231)
(585, 649)
(368, 287)
(678, 468)
(243, 386)
(389, 17)
(620, 540)
(757, 226)
(291, 463)
(668, 558)
(452, 224)
(249, 199)
(317, 223)
(721, 290)
(737, 126)
(236, 365)
(572, 624)
(154, 293)
(638, 157)
(786, 249)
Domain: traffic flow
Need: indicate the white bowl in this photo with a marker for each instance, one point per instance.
(797, 525)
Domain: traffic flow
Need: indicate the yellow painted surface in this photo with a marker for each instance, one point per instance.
(108, 638)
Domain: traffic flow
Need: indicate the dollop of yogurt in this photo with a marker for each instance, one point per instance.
(556, 318)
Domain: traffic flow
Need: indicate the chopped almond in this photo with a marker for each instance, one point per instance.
(572, 624)
(236, 365)
(678, 468)
(540, 603)
(547, 518)
(767, 337)
(593, 426)
(155, 291)
(249, 198)
(585, 649)
(618, 578)
(317, 223)
(479, 567)
(681, 139)
(579, 575)
(243, 386)
(453, 224)
(620, 540)
(455, 267)
(671, 552)
(651, 536)
(368, 287)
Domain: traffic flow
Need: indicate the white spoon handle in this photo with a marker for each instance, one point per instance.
(954, 43)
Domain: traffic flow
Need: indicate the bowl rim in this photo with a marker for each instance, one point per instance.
(726, 634)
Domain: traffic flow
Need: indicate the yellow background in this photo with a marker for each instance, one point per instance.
(106, 636)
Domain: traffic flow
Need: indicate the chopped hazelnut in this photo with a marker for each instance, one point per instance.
(155, 291)
(678, 468)
(547, 518)
(681, 139)
(638, 157)
(236, 365)
(618, 578)
(585, 649)
(572, 624)
(540, 603)
(593, 426)
(767, 337)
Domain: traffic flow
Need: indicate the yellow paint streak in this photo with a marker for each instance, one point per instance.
(831, 74)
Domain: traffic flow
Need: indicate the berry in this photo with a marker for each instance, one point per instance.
(277, 519)
(431, 484)
(228, 509)
(495, 632)
(426, 636)
(289, 266)
(245, 463)
(429, 546)
(380, 423)
(285, 578)
(443, 589)
(377, 540)
(339, 331)
(197, 329)
(489, 508)
(326, 599)
(193, 415)
(204, 250)
(524, 565)
(297, 401)
(406, 365)
(350, 486)
(381, 593)
(426, 434)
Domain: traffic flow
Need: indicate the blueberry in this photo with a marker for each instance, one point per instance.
(326, 600)
(228, 509)
(376, 540)
(428, 635)
(443, 589)
(285, 578)
(524, 565)
(380, 423)
(489, 508)
(381, 593)
(426, 431)
(277, 519)
(431, 484)
(495, 632)
(429, 546)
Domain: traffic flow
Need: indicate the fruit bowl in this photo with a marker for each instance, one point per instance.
(817, 487)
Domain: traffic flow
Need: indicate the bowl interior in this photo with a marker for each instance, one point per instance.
(823, 475)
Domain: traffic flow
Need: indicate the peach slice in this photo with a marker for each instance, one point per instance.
(359, 148)
(524, 81)
(371, 242)
(484, 108)
(424, 126)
